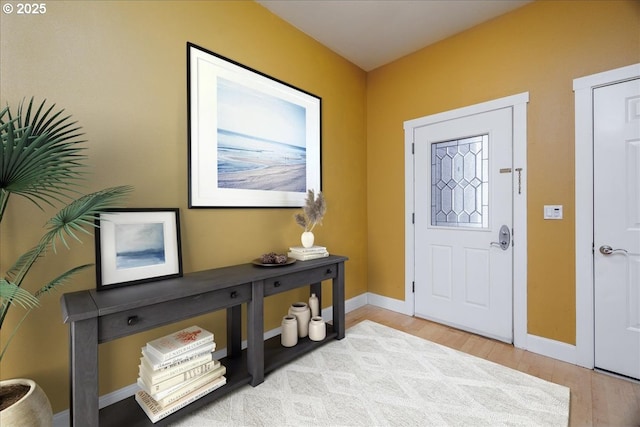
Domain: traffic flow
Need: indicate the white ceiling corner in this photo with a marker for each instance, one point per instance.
(371, 33)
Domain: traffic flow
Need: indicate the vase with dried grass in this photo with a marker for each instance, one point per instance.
(312, 213)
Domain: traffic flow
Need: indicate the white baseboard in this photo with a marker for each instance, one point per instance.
(396, 305)
(61, 419)
(552, 348)
(355, 303)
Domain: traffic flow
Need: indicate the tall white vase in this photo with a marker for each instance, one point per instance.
(307, 239)
(314, 305)
(289, 335)
(303, 316)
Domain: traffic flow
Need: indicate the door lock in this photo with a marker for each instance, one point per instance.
(504, 238)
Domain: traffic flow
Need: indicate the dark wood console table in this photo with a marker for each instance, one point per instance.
(99, 317)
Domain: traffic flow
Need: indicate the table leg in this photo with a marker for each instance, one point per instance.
(234, 331)
(338, 301)
(83, 371)
(255, 333)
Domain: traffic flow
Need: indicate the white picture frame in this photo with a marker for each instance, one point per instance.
(136, 246)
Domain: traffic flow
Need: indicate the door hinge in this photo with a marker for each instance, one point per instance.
(413, 218)
(413, 287)
(413, 148)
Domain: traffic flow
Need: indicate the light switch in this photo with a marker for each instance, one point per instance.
(552, 211)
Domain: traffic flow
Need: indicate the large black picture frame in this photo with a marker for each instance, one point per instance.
(254, 141)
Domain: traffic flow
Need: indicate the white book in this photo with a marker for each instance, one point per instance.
(307, 257)
(310, 250)
(179, 342)
(156, 412)
(221, 370)
(155, 376)
(157, 364)
(180, 378)
(191, 388)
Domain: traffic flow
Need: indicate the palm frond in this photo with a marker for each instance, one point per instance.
(81, 214)
(22, 264)
(41, 154)
(45, 122)
(78, 215)
(42, 160)
(13, 294)
(60, 280)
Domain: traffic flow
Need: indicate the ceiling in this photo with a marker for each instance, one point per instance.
(371, 33)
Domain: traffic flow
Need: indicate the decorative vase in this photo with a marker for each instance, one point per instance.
(307, 239)
(303, 316)
(32, 410)
(317, 329)
(289, 334)
(314, 305)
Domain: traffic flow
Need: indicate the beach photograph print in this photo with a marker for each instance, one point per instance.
(254, 140)
(139, 245)
(261, 140)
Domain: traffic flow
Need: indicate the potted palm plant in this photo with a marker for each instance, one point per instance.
(41, 160)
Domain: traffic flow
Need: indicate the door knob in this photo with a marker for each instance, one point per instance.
(608, 250)
(504, 238)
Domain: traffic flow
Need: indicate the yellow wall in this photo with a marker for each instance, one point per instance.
(539, 48)
(120, 69)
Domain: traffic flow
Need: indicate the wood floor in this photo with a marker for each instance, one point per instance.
(596, 399)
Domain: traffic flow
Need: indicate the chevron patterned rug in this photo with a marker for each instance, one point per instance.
(378, 376)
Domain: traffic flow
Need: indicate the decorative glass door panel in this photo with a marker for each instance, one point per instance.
(459, 182)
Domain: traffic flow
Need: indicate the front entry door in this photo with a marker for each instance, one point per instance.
(616, 176)
(463, 223)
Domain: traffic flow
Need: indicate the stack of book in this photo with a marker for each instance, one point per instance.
(304, 254)
(176, 370)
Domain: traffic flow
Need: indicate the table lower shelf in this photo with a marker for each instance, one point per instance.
(276, 356)
(128, 413)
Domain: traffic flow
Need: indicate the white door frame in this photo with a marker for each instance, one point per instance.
(583, 88)
(518, 104)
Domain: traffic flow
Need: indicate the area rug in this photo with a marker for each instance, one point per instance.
(378, 376)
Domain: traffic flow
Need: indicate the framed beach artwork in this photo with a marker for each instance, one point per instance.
(254, 141)
(137, 246)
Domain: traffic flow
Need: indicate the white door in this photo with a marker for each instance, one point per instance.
(463, 210)
(616, 176)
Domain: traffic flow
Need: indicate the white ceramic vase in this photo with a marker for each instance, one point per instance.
(317, 329)
(303, 316)
(307, 239)
(32, 410)
(314, 305)
(289, 334)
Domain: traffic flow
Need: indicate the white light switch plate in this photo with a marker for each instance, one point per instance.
(552, 211)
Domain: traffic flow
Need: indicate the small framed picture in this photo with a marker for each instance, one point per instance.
(137, 246)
